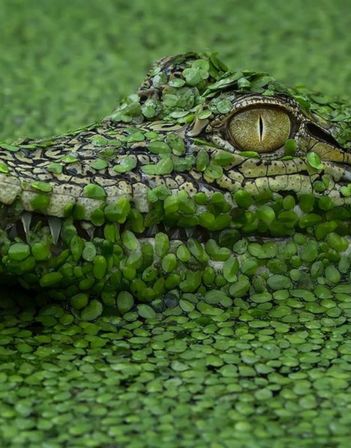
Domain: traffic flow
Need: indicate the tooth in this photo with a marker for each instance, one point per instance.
(175, 235)
(189, 232)
(26, 219)
(89, 228)
(55, 225)
(11, 231)
(151, 231)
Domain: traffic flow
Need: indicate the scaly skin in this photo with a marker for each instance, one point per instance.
(199, 155)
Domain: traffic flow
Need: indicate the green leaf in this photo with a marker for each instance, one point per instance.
(160, 192)
(176, 82)
(290, 147)
(176, 143)
(161, 244)
(146, 311)
(314, 160)
(99, 164)
(159, 147)
(125, 302)
(7, 147)
(94, 191)
(226, 81)
(244, 83)
(130, 241)
(202, 160)
(42, 186)
(230, 269)
(125, 164)
(224, 106)
(213, 172)
(92, 311)
(150, 108)
(69, 159)
(55, 168)
(164, 166)
(223, 158)
(197, 72)
(19, 251)
(50, 279)
(3, 168)
(40, 202)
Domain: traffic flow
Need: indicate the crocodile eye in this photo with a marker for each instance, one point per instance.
(261, 129)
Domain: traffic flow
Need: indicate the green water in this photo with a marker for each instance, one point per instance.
(65, 64)
(269, 370)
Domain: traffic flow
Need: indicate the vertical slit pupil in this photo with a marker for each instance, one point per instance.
(261, 128)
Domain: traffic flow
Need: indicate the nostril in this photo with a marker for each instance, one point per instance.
(321, 134)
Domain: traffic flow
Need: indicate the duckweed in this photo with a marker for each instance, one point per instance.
(94, 192)
(264, 373)
(192, 333)
(18, 251)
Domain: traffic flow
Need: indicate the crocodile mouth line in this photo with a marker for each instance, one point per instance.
(296, 180)
(26, 224)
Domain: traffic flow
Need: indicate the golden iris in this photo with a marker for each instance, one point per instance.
(260, 129)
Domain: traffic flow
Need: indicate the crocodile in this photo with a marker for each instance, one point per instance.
(161, 195)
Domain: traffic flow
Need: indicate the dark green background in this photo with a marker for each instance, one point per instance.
(66, 63)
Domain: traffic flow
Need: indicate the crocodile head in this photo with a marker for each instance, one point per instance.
(199, 151)
(248, 132)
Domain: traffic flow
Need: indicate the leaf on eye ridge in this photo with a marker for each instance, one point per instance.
(228, 80)
(244, 83)
(303, 101)
(261, 81)
(176, 82)
(320, 99)
(224, 106)
(204, 114)
(197, 72)
(221, 104)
